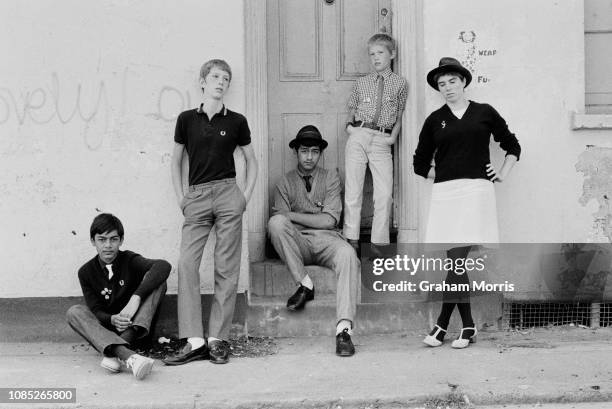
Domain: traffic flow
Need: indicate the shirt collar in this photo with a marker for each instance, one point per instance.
(313, 174)
(386, 73)
(103, 264)
(223, 112)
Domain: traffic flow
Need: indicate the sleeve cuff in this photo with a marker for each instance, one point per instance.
(422, 170)
(104, 317)
(515, 154)
(333, 215)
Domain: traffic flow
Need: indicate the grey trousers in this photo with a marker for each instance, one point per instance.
(326, 248)
(87, 325)
(220, 203)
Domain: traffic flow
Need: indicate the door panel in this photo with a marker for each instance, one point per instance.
(357, 22)
(300, 50)
(315, 52)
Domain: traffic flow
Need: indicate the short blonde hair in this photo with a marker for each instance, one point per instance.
(382, 39)
(221, 64)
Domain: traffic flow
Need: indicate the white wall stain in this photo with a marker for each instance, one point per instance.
(46, 191)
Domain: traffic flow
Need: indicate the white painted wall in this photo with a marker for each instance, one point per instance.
(89, 93)
(535, 80)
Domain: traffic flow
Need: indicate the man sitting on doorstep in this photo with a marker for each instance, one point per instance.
(304, 230)
(122, 292)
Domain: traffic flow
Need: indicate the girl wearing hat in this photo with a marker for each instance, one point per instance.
(462, 209)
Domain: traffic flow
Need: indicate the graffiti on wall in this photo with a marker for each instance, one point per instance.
(471, 53)
(92, 104)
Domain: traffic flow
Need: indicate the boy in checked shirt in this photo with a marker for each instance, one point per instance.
(375, 107)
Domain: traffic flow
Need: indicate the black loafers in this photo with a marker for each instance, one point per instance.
(219, 352)
(298, 300)
(187, 355)
(344, 345)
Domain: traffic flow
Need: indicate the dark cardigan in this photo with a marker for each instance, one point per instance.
(132, 274)
(460, 147)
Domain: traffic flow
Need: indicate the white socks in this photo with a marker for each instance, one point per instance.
(195, 342)
(307, 282)
(344, 324)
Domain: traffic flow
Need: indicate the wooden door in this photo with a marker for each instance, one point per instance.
(316, 50)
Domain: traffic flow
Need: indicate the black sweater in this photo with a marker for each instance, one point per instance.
(132, 274)
(460, 147)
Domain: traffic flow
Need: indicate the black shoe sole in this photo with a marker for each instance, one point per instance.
(345, 354)
(293, 307)
(186, 361)
(219, 361)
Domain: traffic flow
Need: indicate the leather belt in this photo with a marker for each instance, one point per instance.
(370, 125)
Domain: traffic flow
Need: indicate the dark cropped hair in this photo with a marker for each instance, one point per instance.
(384, 40)
(452, 73)
(104, 223)
(220, 64)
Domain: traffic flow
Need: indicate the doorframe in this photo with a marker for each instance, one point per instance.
(408, 30)
(407, 25)
(256, 95)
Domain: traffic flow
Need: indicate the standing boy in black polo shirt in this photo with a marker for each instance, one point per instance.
(122, 291)
(209, 135)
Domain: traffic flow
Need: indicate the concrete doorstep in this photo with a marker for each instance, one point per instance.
(392, 371)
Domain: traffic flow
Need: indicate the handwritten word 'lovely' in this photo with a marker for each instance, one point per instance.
(72, 103)
(41, 106)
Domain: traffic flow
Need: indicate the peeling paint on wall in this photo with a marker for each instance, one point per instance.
(595, 163)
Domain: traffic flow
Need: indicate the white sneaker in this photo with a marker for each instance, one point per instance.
(140, 365)
(111, 364)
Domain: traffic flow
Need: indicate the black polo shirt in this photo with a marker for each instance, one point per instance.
(210, 143)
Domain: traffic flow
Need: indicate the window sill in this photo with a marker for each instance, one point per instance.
(591, 121)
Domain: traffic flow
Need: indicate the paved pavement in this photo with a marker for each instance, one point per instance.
(397, 371)
(587, 405)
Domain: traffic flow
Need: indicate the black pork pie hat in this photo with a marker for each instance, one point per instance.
(309, 135)
(448, 64)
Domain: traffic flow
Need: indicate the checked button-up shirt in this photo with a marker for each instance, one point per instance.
(363, 99)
